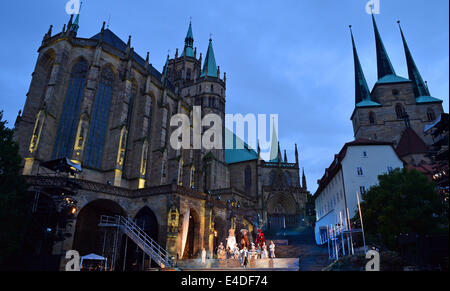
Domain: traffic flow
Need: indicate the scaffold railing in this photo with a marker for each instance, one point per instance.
(139, 237)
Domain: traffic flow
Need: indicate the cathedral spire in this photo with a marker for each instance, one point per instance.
(420, 89)
(209, 67)
(384, 63)
(285, 157)
(296, 154)
(304, 186)
(362, 93)
(166, 66)
(76, 24)
(279, 154)
(189, 43)
(273, 145)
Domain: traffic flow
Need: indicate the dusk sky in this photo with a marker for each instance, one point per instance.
(287, 57)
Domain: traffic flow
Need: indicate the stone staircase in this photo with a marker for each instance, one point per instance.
(301, 245)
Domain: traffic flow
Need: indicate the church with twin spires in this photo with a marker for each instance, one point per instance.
(397, 109)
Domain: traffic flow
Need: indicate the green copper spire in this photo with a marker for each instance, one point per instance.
(413, 73)
(76, 24)
(189, 43)
(166, 67)
(362, 93)
(384, 63)
(210, 67)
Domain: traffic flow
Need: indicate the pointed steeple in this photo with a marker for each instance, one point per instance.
(385, 67)
(259, 151)
(296, 154)
(73, 27)
(279, 154)
(273, 145)
(209, 67)
(285, 157)
(189, 43)
(362, 93)
(420, 88)
(304, 186)
(69, 24)
(166, 66)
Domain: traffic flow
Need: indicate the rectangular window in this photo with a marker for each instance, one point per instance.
(364, 154)
(362, 189)
(359, 171)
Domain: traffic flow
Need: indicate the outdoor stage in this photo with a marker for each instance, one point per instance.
(284, 264)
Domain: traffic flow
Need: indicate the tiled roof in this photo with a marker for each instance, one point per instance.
(411, 143)
(112, 39)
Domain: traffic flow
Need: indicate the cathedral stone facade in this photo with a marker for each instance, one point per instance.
(98, 103)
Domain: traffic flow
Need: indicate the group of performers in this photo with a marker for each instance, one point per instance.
(244, 251)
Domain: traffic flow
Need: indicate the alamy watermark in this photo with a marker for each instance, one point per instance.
(373, 7)
(208, 132)
(374, 260)
(73, 7)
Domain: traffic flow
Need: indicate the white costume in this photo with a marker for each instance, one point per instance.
(264, 251)
(272, 250)
(231, 240)
(203, 256)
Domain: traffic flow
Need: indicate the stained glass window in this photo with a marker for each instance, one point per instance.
(99, 121)
(68, 121)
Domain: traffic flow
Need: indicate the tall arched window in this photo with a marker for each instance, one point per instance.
(248, 177)
(430, 115)
(68, 121)
(288, 178)
(399, 111)
(99, 120)
(372, 117)
(188, 74)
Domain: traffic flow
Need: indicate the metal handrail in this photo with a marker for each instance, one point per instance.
(136, 233)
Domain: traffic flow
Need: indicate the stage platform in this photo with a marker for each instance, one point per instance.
(282, 264)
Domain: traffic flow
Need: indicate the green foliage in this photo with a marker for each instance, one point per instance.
(405, 201)
(310, 209)
(14, 201)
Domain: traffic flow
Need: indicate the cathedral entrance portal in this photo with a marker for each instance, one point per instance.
(192, 239)
(282, 212)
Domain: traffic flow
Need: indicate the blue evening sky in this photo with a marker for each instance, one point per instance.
(286, 57)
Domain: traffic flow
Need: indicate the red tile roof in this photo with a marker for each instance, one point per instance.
(411, 143)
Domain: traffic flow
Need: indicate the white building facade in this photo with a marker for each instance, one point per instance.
(354, 170)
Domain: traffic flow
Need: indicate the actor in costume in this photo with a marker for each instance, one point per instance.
(231, 240)
(272, 250)
(203, 256)
(264, 251)
(245, 242)
(260, 240)
(221, 252)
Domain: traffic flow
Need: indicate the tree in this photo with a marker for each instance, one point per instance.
(310, 209)
(14, 201)
(404, 201)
